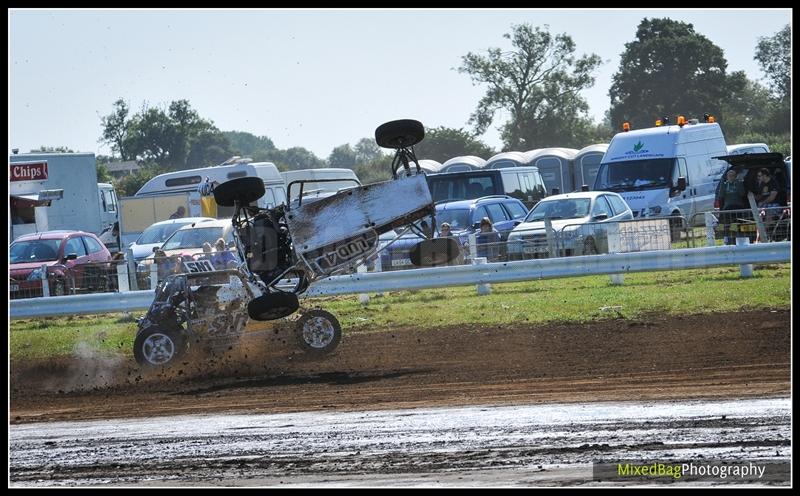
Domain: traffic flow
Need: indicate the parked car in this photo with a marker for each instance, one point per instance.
(187, 242)
(74, 260)
(155, 235)
(464, 217)
(579, 222)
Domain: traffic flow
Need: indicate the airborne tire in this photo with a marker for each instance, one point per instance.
(399, 134)
(318, 332)
(273, 306)
(243, 190)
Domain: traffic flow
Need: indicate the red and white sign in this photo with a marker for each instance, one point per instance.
(30, 171)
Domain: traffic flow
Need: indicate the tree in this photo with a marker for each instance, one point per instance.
(443, 143)
(247, 145)
(115, 129)
(297, 158)
(668, 70)
(342, 156)
(52, 149)
(537, 82)
(774, 55)
(367, 150)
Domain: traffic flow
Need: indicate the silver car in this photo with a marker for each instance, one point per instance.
(579, 221)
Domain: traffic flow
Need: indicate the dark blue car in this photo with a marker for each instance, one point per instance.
(464, 217)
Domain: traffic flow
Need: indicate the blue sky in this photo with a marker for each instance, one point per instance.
(311, 78)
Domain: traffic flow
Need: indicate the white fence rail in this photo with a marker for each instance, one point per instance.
(526, 270)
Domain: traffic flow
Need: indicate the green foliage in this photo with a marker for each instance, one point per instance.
(668, 70)
(103, 176)
(342, 156)
(52, 149)
(443, 143)
(247, 145)
(538, 83)
(774, 55)
(296, 158)
(175, 138)
(129, 184)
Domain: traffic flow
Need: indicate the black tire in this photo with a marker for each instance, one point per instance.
(273, 306)
(433, 252)
(589, 247)
(157, 347)
(318, 332)
(243, 190)
(399, 134)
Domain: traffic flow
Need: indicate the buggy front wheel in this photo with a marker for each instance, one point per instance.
(318, 332)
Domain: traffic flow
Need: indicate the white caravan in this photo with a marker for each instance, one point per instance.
(586, 164)
(463, 163)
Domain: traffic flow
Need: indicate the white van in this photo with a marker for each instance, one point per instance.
(666, 170)
(192, 180)
(318, 183)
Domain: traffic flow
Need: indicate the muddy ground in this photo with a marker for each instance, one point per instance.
(733, 355)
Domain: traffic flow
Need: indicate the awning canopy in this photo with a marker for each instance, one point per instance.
(29, 200)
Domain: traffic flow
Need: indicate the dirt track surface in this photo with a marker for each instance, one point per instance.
(699, 356)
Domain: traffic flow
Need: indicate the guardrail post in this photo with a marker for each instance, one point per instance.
(548, 232)
(746, 270)
(762, 231)
(133, 283)
(614, 246)
(711, 223)
(473, 246)
(153, 275)
(483, 289)
(45, 282)
(122, 278)
(363, 298)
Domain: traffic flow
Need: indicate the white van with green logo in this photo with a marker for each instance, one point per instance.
(666, 170)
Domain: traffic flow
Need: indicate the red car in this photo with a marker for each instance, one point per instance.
(75, 260)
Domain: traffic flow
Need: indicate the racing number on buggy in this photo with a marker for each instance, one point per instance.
(199, 266)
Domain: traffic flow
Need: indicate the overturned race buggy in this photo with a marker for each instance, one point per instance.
(282, 250)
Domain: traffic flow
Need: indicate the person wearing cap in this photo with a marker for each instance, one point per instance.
(444, 231)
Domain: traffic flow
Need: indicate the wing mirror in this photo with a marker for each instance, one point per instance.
(71, 256)
(681, 186)
(600, 217)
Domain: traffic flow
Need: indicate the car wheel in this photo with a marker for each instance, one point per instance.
(318, 332)
(272, 306)
(157, 347)
(589, 247)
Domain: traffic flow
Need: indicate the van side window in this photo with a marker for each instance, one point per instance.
(110, 204)
(269, 198)
(681, 171)
(280, 195)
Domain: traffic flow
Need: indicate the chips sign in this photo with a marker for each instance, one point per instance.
(29, 171)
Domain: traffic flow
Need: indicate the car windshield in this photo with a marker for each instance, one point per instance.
(37, 250)
(458, 218)
(158, 233)
(568, 208)
(634, 175)
(193, 238)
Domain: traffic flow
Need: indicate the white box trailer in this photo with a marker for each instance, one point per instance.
(55, 191)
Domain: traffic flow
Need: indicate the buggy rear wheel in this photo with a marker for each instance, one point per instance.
(402, 133)
(243, 190)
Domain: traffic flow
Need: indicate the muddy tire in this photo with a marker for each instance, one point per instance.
(157, 347)
(272, 306)
(318, 332)
(244, 190)
(399, 134)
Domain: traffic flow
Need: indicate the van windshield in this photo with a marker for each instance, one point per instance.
(635, 175)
